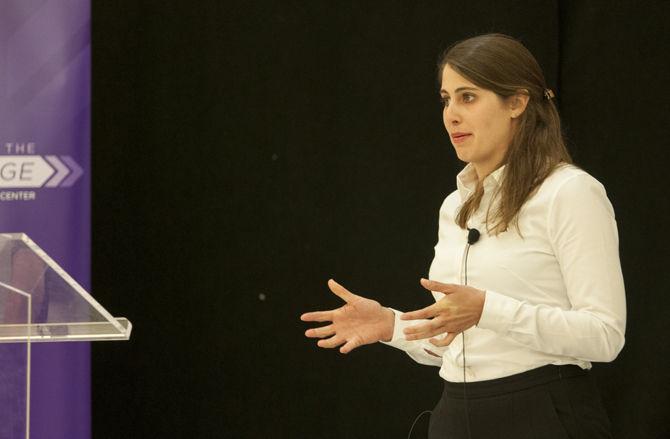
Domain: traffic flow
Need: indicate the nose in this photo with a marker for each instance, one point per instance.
(451, 116)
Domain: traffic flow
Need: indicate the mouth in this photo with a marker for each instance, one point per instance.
(458, 138)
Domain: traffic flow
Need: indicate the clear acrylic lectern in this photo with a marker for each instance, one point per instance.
(39, 302)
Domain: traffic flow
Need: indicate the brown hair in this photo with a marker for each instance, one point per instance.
(501, 64)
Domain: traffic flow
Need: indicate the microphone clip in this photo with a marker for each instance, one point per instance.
(473, 236)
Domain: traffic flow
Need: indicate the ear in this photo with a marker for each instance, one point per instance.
(518, 102)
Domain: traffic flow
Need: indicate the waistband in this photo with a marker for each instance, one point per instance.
(513, 383)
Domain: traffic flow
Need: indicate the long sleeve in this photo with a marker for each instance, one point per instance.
(415, 349)
(583, 233)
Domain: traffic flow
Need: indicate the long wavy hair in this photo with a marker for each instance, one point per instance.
(501, 64)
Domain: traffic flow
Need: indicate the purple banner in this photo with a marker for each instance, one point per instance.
(45, 85)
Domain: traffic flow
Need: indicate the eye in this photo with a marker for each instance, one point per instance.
(466, 98)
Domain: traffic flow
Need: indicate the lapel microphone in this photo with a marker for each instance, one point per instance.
(473, 236)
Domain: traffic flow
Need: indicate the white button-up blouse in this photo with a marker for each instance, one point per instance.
(554, 292)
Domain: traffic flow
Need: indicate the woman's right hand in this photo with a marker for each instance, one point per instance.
(358, 322)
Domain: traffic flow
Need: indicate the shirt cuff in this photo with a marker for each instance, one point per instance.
(398, 327)
(497, 310)
(399, 341)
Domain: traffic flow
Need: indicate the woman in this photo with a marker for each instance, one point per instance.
(526, 275)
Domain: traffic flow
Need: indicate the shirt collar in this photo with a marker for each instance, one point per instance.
(466, 180)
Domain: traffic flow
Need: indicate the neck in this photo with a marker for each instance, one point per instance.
(484, 171)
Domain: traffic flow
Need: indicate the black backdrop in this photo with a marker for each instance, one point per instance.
(243, 153)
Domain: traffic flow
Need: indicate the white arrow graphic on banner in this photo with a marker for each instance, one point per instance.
(34, 171)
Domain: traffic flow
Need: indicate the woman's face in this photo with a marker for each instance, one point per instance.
(480, 123)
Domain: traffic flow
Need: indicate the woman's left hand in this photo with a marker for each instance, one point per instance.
(460, 309)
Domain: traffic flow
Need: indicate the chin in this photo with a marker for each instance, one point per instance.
(463, 155)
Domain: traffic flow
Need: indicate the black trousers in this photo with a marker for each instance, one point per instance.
(551, 402)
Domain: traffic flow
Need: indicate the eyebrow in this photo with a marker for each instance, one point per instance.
(458, 89)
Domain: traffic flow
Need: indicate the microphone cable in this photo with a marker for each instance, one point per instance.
(409, 435)
(473, 237)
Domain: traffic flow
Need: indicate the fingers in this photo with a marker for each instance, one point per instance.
(334, 341)
(317, 316)
(445, 341)
(331, 342)
(420, 328)
(327, 316)
(349, 346)
(433, 285)
(427, 330)
(340, 291)
(324, 331)
(424, 313)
